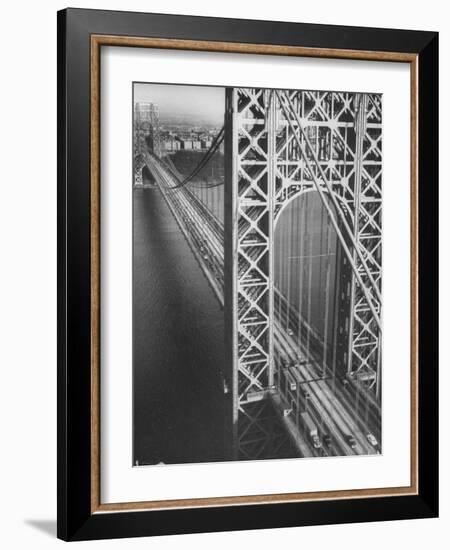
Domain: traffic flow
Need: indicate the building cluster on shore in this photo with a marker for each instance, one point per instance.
(186, 139)
(172, 135)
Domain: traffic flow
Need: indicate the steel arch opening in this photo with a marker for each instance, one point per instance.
(305, 276)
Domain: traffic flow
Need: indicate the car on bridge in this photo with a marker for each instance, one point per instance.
(372, 440)
(311, 430)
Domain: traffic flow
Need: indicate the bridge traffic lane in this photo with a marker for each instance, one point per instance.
(337, 420)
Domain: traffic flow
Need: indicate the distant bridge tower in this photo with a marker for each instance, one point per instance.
(283, 144)
(146, 136)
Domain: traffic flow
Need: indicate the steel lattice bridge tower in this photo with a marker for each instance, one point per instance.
(285, 144)
(146, 137)
(279, 146)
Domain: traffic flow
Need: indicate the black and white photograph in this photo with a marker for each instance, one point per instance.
(257, 273)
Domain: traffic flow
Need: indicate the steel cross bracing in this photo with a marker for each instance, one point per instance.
(253, 189)
(286, 143)
(139, 164)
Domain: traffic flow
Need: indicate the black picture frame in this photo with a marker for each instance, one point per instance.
(76, 520)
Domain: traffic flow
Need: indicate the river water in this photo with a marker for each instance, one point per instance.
(178, 344)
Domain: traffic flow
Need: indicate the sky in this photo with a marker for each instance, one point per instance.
(196, 103)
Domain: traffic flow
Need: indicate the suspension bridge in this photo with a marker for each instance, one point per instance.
(289, 241)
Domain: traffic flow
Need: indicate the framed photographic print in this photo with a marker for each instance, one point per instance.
(247, 274)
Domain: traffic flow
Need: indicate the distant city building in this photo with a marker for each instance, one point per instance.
(169, 137)
(171, 145)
